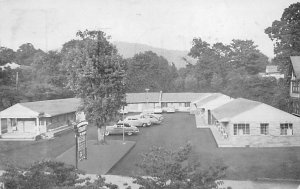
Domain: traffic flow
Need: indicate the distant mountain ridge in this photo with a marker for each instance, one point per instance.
(128, 50)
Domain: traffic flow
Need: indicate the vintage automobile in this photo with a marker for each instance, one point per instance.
(137, 121)
(170, 110)
(152, 118)
(158, 110)
(158, 116)
(118, 129)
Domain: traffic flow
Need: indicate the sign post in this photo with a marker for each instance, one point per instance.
(80, 142)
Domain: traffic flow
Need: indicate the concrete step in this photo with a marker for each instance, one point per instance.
(56, 132)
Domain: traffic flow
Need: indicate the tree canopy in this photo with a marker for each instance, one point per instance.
(148, 70)
(285, 34)
(96, 74)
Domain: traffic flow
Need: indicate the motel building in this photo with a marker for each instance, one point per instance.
(29, 120)
(140, 102)
(247, 123)
(205, 104)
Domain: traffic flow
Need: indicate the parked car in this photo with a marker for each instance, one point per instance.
(152, 118)
(137, 121)
(118, 129)
(158, 110)
(158, 116)
(171, 110)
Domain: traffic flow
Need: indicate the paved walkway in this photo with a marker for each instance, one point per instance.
(200, 122)
(220, 140)
(101, 158)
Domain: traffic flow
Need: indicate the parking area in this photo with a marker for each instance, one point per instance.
(243, 163)
(174, 132)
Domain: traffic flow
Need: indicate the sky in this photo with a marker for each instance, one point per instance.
(169, 24)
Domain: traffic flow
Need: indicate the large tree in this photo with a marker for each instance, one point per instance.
(148, 70)
(7, 55)
(285, 33)
(25, 54)
(96, 74)
(8, 93)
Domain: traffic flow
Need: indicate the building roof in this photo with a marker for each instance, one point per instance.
(14, 66)
(207, 99)
(264, 113)
(54, 107)
(271, 69)
(142, 97)
(296, 65)
(233, 108)
(165, 97)
(181, 97)
(216, 102)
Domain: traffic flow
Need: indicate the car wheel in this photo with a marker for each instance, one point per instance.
(144, 124)
(129, 133)
(106, 133)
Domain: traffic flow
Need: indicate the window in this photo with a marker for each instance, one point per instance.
(295, 107)
(286, 129)
(241, 129)
(295, 86)
(186, 104)
(264, 128)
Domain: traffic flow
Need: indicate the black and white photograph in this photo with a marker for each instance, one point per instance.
(149, 94)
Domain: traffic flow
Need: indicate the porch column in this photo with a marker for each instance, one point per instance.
(37, 125)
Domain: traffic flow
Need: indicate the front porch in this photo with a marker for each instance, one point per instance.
(17, 136)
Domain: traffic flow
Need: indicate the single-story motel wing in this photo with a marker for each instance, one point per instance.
(235, 122)
(243, 122)
(31, 119)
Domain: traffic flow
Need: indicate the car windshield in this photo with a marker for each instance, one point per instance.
(121, 125)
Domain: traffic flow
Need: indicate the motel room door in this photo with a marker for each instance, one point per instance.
(30, 126)
(26, 125)
(20, 126)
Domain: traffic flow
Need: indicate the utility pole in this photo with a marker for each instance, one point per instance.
(17, 80)
(147, 96)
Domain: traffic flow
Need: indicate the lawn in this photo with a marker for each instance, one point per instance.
(243, 163)
(26, 152)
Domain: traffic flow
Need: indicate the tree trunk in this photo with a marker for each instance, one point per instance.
(101, 134)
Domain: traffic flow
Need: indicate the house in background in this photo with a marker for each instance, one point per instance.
(28, 120)
(272, 71)
(243, 123)
(295, 85)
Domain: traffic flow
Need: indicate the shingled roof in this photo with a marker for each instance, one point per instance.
(233, 108)
(296, 65)
(271, 69)
(209, 98)
(181, 97)
(54, 107)
(142, 97)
